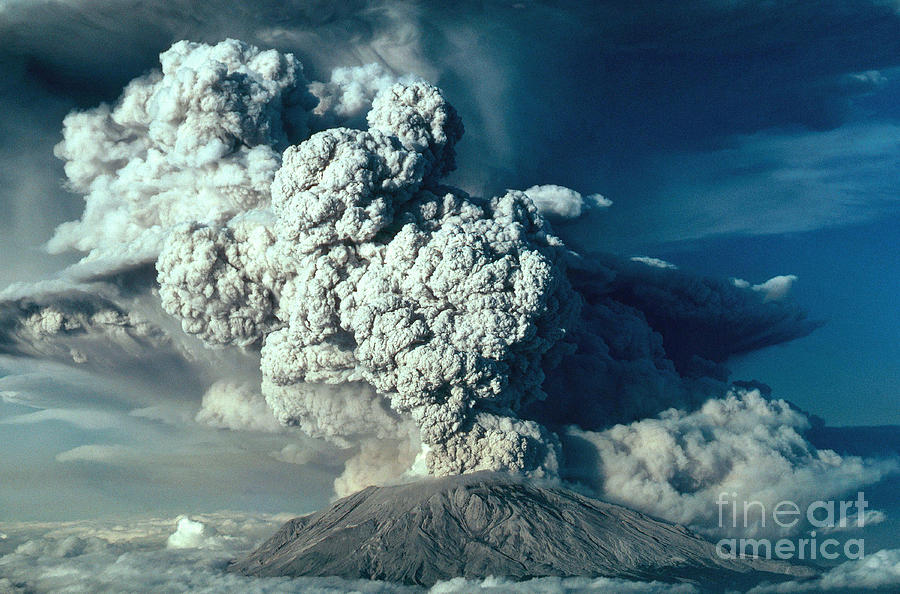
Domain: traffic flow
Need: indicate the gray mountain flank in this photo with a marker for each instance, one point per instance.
(483, 524)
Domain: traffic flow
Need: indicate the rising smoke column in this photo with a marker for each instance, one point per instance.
(392, 314)
(369, 273)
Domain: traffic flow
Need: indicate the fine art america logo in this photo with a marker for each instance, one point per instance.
(824, 516)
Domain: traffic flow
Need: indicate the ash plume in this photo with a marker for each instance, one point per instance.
(199, 140)
(308, 223)
(368, 271)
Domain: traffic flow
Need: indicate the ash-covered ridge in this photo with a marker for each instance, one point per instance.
(483, 524)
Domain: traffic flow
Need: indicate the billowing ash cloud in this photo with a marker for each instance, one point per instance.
(391, 314)
(347, 96)
(378, 461)
(697, 318)
(677, 465)
(236, 406)
(369, 272)
(650, 338)
(199, 140)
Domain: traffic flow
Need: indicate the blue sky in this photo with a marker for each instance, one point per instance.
(848, 370)
(735, 139)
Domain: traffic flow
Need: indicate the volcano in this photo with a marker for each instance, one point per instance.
(483, 524)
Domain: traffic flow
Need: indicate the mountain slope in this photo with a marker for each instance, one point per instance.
(487, 524)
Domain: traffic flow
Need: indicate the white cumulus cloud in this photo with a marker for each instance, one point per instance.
(561, 203)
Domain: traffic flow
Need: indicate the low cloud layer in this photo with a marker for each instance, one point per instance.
(192, 552)
(879, 571)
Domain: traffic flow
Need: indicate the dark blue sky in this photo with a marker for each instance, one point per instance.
(847, 371)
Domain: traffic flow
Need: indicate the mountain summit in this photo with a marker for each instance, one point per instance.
(483, 524)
